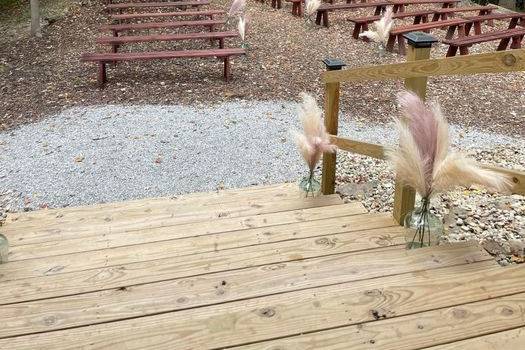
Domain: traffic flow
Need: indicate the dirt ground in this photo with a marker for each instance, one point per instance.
(41, 76)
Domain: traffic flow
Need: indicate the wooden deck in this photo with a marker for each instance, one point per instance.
(259, 268)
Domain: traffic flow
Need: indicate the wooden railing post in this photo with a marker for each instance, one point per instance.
(331, 122)
(419, 45)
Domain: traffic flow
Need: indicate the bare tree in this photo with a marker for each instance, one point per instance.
(35, 18)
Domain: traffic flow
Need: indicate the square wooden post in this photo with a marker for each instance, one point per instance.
(419, 45)
(331, 122)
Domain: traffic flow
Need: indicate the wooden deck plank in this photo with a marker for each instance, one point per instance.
(192, 249)
(506, 340)
(145, 219)
(352, 239)
(291, 313)
(423, 329)
(165, 233)
(283, 191)
(111, 305)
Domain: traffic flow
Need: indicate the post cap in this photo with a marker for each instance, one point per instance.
(419, 39)
(333, 63)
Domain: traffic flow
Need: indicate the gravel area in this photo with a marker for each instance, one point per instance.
(40, 77)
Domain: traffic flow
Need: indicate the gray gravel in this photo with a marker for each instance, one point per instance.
(111, 153)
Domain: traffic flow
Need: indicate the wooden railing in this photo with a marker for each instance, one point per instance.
(414, 72)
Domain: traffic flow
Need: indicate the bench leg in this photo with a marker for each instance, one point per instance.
(452, 50)
(463, 50)
(279, 4)
(503, 44)
(365, 28)
(417, 19)
(477, 28)
(425, 18)
(325, 19)
(450, 32)
(102, 78)
(318, 17)
(401, 44)
(378, 10)
(227, 72)
(221, 43)
(516, 42)
(435, 17)
(357, 30)
(513, 23)
(467, 28)
(390, 43)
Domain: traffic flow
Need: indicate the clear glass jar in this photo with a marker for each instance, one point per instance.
(424, 229)
(4, 249)
(310, 185)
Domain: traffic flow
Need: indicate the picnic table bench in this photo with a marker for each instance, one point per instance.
(115, 42)
(104, 58)
(505, 36)
(206, 13)
(397, 33)
(116, 28)
(297, 6)
(475, 21)
(145, 5)
(361, 23)
(322, 11)
(443, 13)
(399, 5)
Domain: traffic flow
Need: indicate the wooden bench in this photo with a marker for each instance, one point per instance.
(443, 13)
(399, 5)
(506, 35)
(322, 11)
(361, 23)
(398, 32)
(116, 28)
(515, 19)
(142, 5)
(115, 42)
(297, 6)
(209, 14)
(104, 58)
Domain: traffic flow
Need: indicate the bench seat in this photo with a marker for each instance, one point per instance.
(104, 58)
(397, 32)
(128, 16)
(506, 35)
(515, 19)
(361, 23)
(116, 28)
(116, 41)
(443, 13)
(322, 11)
(142, 5)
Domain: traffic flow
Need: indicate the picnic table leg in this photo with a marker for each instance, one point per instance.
(101, 78)
(401, 44)
(452, 50)
(390, 43)
(325, 19)
(227, 68)
(357, 30)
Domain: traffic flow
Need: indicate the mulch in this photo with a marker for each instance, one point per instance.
(40, 77)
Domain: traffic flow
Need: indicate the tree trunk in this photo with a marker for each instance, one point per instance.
(35, 18)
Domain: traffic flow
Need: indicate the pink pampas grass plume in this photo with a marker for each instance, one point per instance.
(423, 159)
(237, 7)
(314, 141)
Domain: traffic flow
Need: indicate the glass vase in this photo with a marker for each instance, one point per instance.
(310, 185)
(381, 49)
(424, 229)
(4, 249)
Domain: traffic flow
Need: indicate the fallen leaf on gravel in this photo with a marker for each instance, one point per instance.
(79, 158)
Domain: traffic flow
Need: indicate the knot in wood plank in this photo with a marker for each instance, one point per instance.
(267, 312)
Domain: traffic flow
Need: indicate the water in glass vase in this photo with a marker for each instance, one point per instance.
(424, 229)
(4, 249)
(310, 185)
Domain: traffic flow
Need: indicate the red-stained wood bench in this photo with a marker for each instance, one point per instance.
(475, 21)
(104, 58)
(322, 11)
(397, 32)
(166, 4)
(443, 13)
(361, 23)
(297, 6)
(209, 14)
(399, 5)
(515, 36)
(116, 41)
(117, 28)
